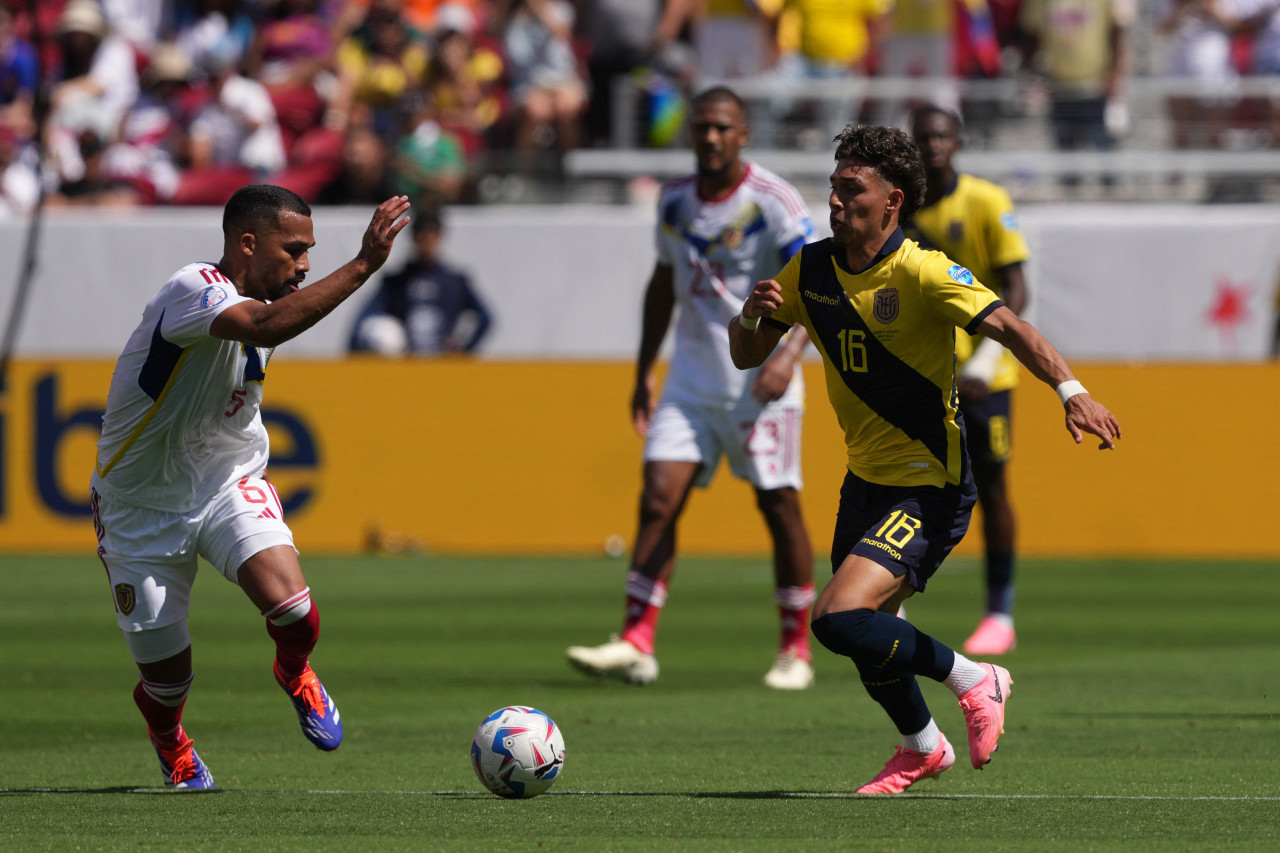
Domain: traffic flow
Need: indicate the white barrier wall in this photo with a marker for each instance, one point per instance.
(1113, 282)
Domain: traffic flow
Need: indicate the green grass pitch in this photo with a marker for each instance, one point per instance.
(1144, 716)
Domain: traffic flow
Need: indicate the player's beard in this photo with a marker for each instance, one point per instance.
(282, 290)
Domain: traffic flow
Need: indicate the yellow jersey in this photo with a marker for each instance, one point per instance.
(974, 225)
(886, 335)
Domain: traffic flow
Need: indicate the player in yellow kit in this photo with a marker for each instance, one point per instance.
(972, 222)
(883, 313)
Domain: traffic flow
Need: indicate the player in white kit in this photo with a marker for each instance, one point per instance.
(720, 230)
(181, 466)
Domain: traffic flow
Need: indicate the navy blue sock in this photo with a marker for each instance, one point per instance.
(999, 583)
(899, 694)
(885, 642)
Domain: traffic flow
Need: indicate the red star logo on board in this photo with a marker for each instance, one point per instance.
(1230, 308)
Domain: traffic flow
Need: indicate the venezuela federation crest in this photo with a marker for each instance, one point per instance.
(126, 598)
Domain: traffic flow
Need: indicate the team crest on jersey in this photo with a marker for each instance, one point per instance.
(955, 231)
(732, 237)
(1009, 221)
(885, 305)
(961, 274)
(126, 598)
(213, 295)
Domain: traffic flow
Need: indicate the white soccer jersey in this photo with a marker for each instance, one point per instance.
(718, 250)
(182, 419)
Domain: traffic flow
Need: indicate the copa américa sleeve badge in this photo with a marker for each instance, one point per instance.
(212, 295)
(960, 274)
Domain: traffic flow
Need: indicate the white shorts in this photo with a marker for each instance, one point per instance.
(762, 445)
(150, 555)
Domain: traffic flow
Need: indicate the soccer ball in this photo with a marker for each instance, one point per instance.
(517, 752)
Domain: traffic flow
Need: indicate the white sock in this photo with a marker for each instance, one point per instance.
(964, 675)
(926, 740)
(1003, 618)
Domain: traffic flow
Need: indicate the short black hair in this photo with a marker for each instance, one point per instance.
(427, 218)
(721, 93)
(934, 109)
(892, 153)
(256, 207)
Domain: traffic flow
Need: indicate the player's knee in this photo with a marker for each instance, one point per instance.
(782, 504)
(157, 645)
(842, 632)
(658, 506)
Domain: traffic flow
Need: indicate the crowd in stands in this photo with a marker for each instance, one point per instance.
(346, 101)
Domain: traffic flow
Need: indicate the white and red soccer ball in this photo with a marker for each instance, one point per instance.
(518, 752)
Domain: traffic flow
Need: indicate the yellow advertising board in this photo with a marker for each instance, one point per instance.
(458, 456)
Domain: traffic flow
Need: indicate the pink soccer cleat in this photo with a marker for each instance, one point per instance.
(993, 636)
(908, 767)
(983, 707)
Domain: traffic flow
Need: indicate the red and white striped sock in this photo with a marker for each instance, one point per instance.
(645, 600)
(295, 626)
(793, 612)
(161, 706)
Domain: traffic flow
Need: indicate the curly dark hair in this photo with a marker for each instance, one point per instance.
(892, 153)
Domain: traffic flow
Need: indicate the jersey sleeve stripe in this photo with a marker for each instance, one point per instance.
(972, 328)
(780, 190)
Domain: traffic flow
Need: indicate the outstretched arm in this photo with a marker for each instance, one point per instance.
(1084, 414)
(749, 347)
(272, 324)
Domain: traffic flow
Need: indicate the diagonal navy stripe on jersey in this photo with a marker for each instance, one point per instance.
(891, 388)
(162, 358)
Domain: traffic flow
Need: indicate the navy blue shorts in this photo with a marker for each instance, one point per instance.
(909, 530)
(987, 426)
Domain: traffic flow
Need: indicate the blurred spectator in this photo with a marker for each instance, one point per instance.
(139, 22)
(980, 54)
(292, 55)
(234, 139)
(377, 66)
(429, 161)
(734, 38)
(426, 308)
(630, 37)
(19, 183)
(365, 175)
(919, 41)
(1083, 47)
(830, 40)
(1200, 34)
(95, 186)
(153, 135)
(19, 74)
(542, 70)
(221, 27)
(96, 83)
(463, 79)
(1264, 19)
(422, 15)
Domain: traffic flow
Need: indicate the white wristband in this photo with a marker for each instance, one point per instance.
(1069, 389)
(749, 324)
